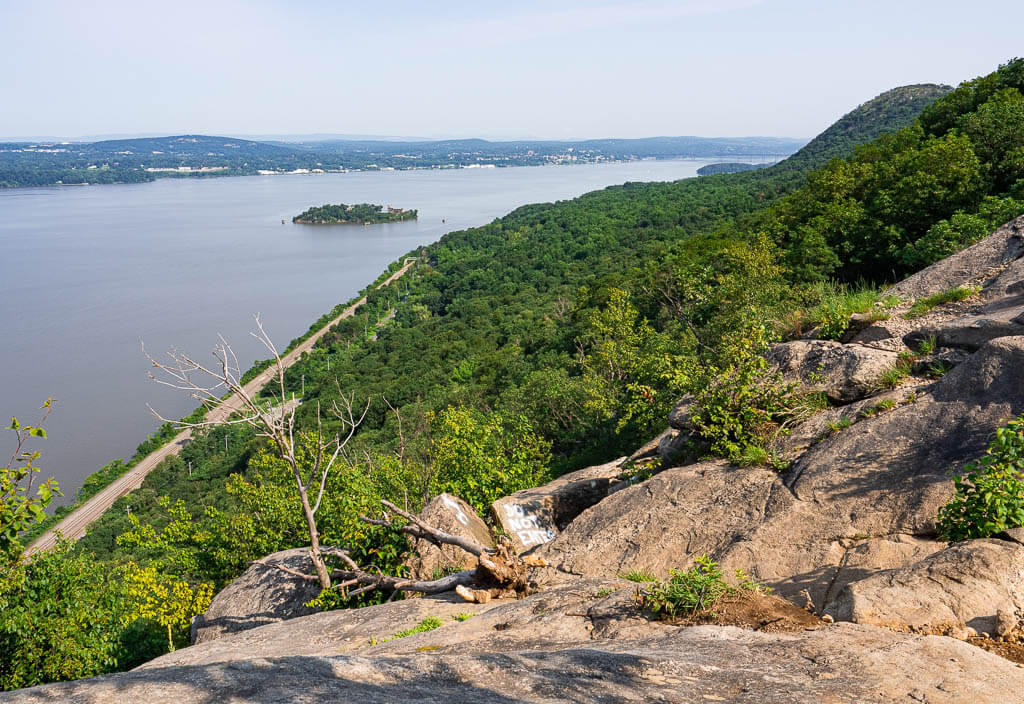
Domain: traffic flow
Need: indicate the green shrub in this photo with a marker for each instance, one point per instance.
(482, 457)
(988, 495)
(740, 405)
(686, 592)
(927, 346)
(65, 616)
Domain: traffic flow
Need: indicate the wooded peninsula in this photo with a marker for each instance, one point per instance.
(361, 214)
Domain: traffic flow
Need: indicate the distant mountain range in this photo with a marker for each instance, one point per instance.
(147, 158)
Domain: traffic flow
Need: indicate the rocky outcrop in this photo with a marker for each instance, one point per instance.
(261, 595)
(972, 266)
(845, 373)
(968, 584)
(1002, 318)
(533, 517)
(451, 515)
(884, 477)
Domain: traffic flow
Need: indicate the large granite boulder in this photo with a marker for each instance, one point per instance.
(844, 373)
(452, 515)
(977, 583)
(533, 517)
(971, 266)
(261, 595)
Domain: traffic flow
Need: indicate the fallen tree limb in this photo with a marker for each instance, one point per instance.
(499, 572)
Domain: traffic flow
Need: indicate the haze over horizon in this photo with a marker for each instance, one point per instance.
(588, 69)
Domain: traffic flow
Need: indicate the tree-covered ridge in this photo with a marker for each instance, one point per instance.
(891, 111)
(361, 214)
(913, 197)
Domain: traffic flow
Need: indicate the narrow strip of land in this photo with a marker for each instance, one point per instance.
(74, 525)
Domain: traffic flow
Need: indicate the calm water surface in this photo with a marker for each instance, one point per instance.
(89, 273)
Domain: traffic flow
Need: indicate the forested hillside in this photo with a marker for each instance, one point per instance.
(559, 335)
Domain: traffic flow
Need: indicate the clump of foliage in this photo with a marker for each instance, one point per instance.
(836, 303)
(690, 592)
(19, 507)
(925, 304)
(894, 376)
(740, 405)
(482, 457)
(836, 425)
(63, 616)
(988, 494)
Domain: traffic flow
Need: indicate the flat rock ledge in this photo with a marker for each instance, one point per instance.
(836, 664)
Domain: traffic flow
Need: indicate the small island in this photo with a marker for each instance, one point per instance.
(361, 214)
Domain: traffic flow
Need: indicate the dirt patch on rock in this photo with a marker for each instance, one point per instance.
(755, 611)
(1014, 652)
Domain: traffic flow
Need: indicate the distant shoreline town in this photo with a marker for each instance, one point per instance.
(26, 164)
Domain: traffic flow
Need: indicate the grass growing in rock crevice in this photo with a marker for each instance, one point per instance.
(926, 304)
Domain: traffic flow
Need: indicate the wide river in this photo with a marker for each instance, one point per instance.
(87, 274)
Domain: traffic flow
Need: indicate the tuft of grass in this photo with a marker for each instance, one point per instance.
(891, 378)
(938, 369)
(951, 295)
(836, 425)
(927, 347)
(427, 624)
(829, 306)
(639, 575)
(604, 591)
(886, 404)
(462, 616)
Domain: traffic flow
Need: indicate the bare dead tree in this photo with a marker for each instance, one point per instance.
(499, 571)
(274, 421)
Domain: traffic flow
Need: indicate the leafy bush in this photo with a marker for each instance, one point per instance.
(988, 495)
(483, 457)
(740, 405)
(18, 509)
(686, 592)
(65, 616)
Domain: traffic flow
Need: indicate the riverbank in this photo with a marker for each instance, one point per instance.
(75, 522)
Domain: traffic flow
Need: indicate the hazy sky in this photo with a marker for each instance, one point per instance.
(579, 68)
